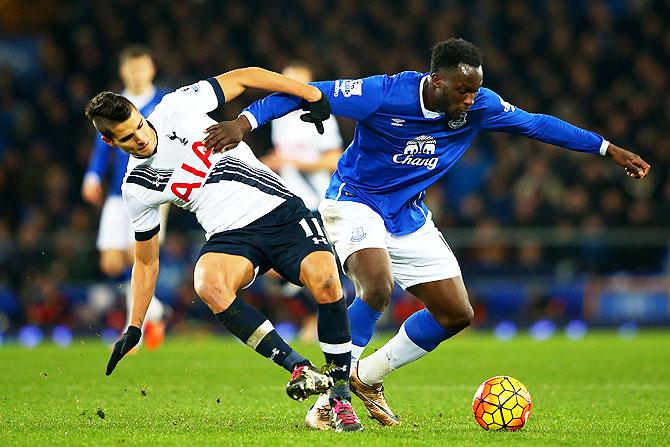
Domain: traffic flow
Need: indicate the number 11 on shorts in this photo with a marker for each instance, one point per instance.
(320, 237)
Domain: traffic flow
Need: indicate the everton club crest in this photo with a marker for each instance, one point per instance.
(458, 122)
(358, 234)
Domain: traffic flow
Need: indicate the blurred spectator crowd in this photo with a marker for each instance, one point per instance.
(600, 64)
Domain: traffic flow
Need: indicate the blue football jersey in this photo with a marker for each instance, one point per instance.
(400, 148)
(102, 156)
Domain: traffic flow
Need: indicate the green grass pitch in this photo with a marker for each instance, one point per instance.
(601, 390)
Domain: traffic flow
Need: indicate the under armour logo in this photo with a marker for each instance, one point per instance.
(319, 240)
(174, 136)
(275, 351)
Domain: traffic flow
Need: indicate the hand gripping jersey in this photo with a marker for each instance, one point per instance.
(400, 148)
(102, 155)
(225, 191)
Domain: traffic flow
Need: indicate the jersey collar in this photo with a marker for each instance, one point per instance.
(426, 113)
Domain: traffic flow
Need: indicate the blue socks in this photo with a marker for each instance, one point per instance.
(423, 330)
(362, 319)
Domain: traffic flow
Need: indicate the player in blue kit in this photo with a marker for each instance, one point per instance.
(115, 236)
(411, 129)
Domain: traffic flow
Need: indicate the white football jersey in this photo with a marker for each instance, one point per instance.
(294, 139)
(225, 191)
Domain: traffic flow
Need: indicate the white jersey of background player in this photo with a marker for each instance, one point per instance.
(304, 158)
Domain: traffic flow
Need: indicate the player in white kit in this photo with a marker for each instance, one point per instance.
(305, 159)
(115, 235)
(252, 223)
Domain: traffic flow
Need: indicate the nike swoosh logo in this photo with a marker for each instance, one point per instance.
(384, 410)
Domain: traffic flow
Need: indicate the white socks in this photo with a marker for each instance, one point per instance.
(397, 352)
(356, 352)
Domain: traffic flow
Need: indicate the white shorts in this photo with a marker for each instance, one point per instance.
(416, 258)
(115, 231)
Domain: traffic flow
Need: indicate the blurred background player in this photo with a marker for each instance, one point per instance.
(115, 236)
(305, 159)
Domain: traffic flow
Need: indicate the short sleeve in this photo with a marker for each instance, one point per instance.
(145, 219)
(201, 97)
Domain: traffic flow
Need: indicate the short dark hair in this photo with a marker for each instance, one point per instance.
(133, 51)
(107, 108)
(448, 54)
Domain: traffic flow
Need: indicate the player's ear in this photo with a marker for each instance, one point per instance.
(107, 141)
(436, 80)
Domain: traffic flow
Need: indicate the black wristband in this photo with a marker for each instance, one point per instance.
(133, 330)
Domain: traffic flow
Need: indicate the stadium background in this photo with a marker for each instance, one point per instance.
(542, 234)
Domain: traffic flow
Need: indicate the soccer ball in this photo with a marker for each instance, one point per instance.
(501, 403)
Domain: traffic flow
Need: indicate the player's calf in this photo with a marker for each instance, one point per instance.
(335, 341)
(250, 326)
(319, 273)
(456, 319)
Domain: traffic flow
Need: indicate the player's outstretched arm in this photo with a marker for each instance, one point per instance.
(503, 117)
(226, 135)
(235, 82)
(142, 284)
(634, 166)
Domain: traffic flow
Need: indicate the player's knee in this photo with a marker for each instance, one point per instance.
(466, 317)
(458, 320)
(318, 272)
(326, 289)
(377, 292)
(323, 283)
(214, 293)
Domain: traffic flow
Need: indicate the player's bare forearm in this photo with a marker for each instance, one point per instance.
(633, 164)
(235, 82)
(142, 286)
(143, 280)
(142, 283)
